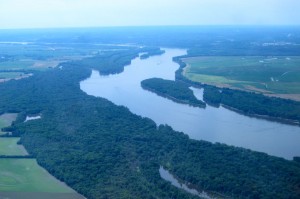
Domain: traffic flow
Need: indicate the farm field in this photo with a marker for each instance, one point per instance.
(32, 64)
(39, 195)
(17, 59)
(6, 120)
(274, 76)
(6, 76)
(16, 65)
(10, 75)
(25, 175)
(24, 178)
(9, 146)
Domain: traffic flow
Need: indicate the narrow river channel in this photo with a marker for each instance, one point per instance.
(210, 124)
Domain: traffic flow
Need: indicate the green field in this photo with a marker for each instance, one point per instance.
(17, 57)
(39, 195)
(25, 175)
(24, 178)
(268, 75)
(10, 75)
(9, 146)
(6, 120)
(15, 65)
(31, 64)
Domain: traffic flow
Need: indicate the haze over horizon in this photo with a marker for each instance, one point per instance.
(95, 13)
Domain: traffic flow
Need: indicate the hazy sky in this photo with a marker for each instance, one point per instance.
(78, 13)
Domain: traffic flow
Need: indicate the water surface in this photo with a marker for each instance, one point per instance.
(166, 175)
(28, 118)
(210, 124)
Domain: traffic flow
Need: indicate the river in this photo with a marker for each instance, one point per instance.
(210, 124)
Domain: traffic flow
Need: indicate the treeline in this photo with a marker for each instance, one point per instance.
(112, 62)
(16, 156)
(151, 51)
(104, 151)
(212, 95)
(174, 90)
(109, 62)
(253, 103)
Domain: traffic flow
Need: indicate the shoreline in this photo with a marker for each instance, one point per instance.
(180, 77)
(172, 98)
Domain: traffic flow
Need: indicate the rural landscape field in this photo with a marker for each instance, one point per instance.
(273, 75)
(6, 120)
(21, 176)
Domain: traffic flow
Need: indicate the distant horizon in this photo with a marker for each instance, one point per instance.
(153, 26)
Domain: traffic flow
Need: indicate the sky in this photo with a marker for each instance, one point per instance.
(99, 13)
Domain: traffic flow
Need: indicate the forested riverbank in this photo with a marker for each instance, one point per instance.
(104, 151)
(249, 103)
(176, 91)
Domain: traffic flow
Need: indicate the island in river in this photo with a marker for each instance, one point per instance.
(174, 90)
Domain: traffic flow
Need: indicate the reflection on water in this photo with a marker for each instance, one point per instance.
(210, 124)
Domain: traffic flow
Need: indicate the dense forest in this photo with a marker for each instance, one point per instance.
(151, 52)
(176, 91)
(104, 151)
(105, 63)
(257, 104)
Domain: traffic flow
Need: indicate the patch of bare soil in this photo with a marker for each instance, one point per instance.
(252, 88)
(295, 97)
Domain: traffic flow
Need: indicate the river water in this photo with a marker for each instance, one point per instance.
(210, 124)
(166, 175)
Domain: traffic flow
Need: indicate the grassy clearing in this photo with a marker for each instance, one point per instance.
(10, 75)
(9, 146)
(24, 178)
(6, 120)
(16, 65)
(39, 195)
(212, 79)
(277, 75)
(28, 65)
(41, 56)
(25, 175)
(32, 64)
